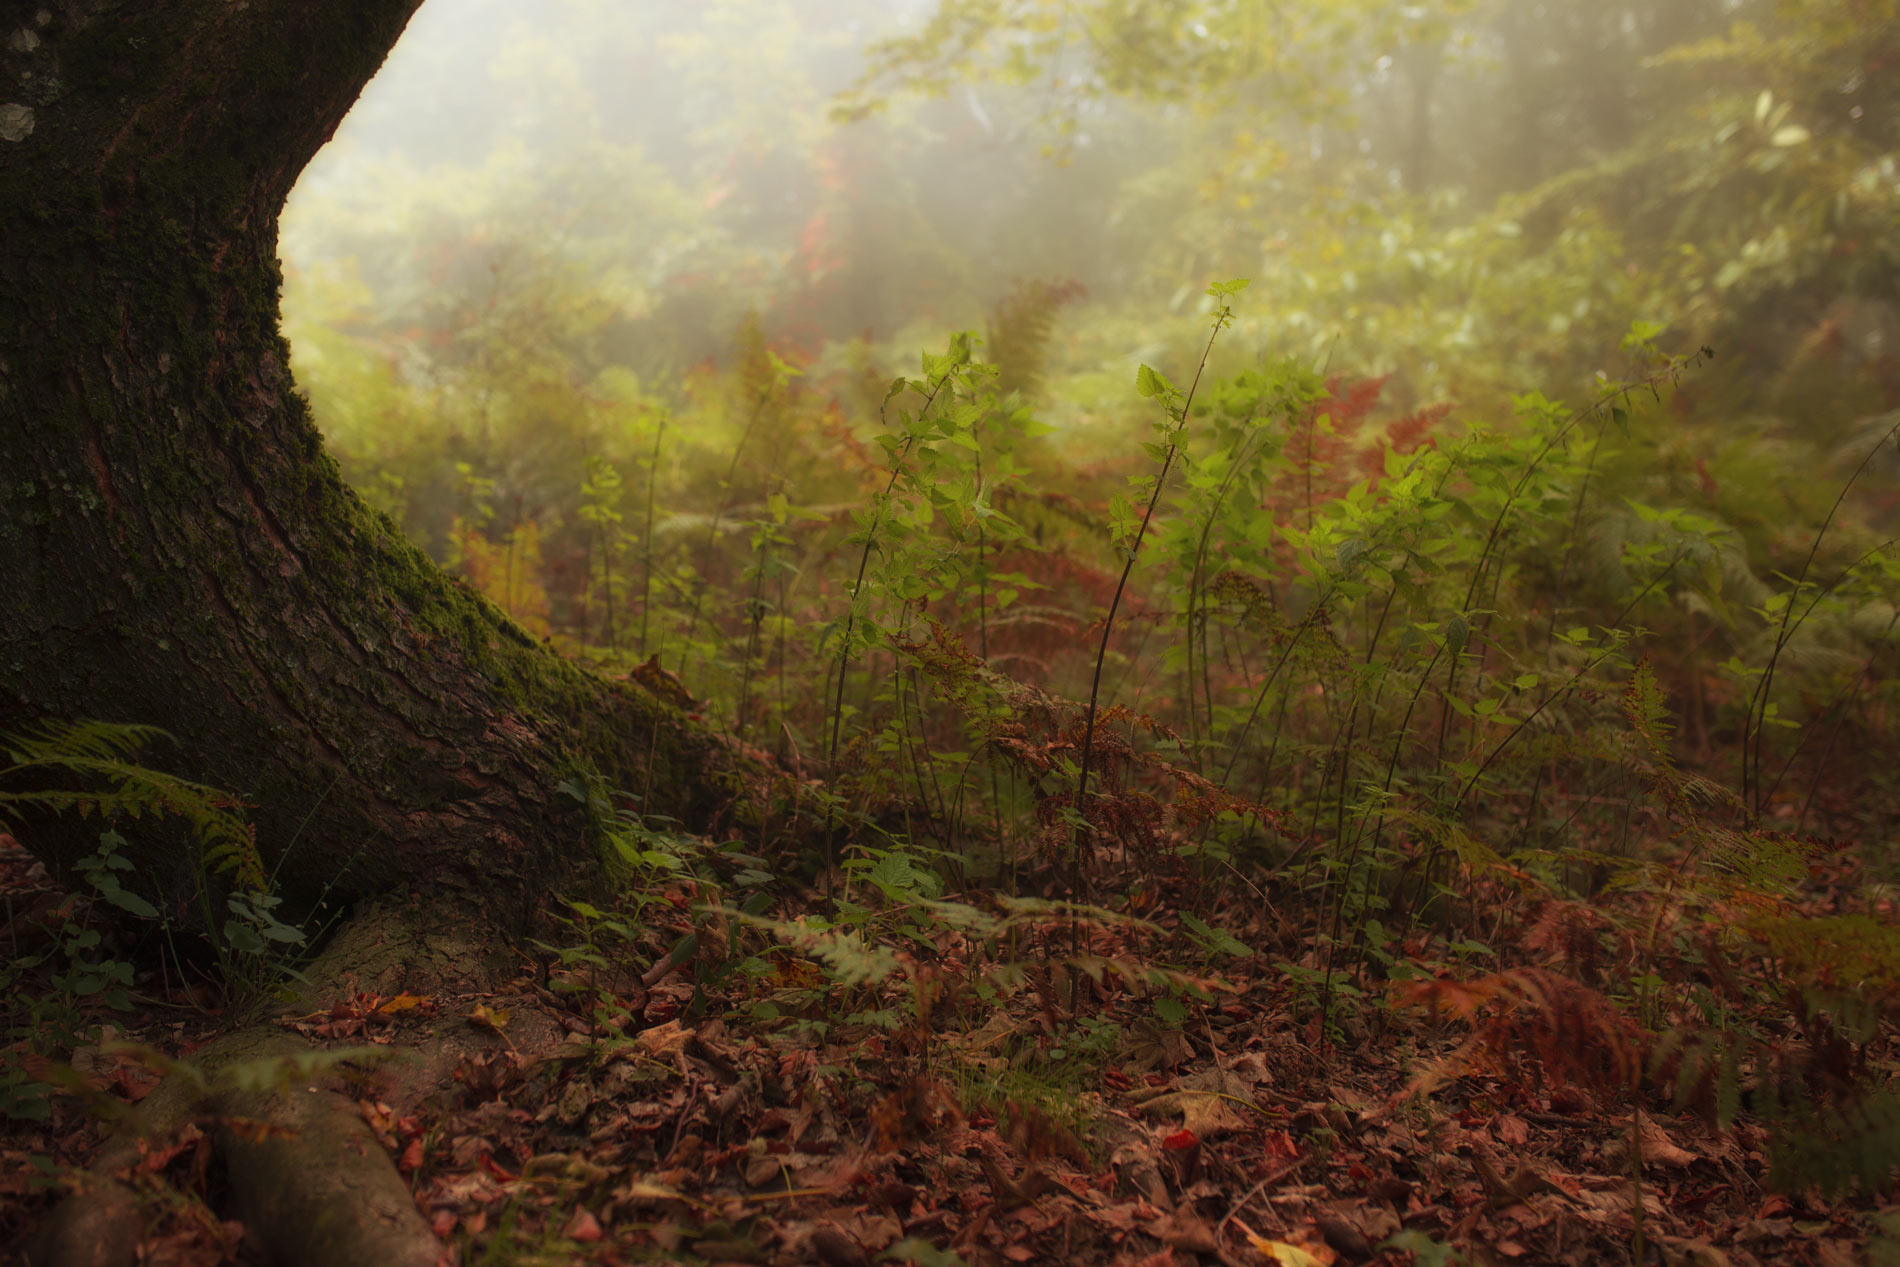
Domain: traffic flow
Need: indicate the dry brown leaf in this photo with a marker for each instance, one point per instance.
(1185, 1231)
(663, 1039)
(1660, 1149)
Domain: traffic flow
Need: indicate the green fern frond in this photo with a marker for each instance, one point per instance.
(1841, 951)
(1835, 1148)
(55, 741)
(99, 757)
(1647, 709)
(1020, 330)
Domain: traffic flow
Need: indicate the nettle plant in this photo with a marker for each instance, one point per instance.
(924, 538)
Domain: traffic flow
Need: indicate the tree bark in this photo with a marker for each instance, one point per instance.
(176, 547)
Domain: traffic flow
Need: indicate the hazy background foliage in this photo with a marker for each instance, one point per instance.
(600, 301)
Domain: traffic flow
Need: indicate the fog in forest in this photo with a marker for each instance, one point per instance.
(534, 220)
(1096, 632)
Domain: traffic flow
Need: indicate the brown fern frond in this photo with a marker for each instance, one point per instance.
(1572, 934)
(1534, 1026)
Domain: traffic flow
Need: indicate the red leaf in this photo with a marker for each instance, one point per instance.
(1280, 1146)
(411, 1159)
(582, 1227)
(1181, 1141)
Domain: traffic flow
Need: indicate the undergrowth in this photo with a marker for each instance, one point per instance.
(1413, 678)
(1386, 702)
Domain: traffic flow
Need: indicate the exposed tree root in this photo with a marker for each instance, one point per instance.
(324, 1193)
(310, 1181)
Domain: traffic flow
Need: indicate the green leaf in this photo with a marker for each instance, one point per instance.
(127, 901)
(1217, 940)
(1150, 384)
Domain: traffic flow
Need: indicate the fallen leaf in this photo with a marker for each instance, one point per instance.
(1280, 1147)
(404, 1002)
(495, 1018)
(1185, 1231)
(663, 1039)
(583, 1227)
(1342, 1235)
(1288, 1254)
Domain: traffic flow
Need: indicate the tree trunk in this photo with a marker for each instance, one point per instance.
(177, 548)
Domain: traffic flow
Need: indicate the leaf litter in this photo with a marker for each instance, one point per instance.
(952, 1113)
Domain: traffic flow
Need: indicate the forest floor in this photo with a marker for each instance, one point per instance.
(708, 1117)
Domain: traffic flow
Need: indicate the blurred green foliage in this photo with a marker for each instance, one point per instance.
(625, 365)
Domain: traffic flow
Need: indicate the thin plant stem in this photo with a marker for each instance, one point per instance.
(1755, 721)
(1082, 830)
(646, 539)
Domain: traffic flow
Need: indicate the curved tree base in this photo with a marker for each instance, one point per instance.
(177, 549)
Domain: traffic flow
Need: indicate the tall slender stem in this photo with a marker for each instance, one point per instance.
(1082, 830)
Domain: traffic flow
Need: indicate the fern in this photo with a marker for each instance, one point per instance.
(1842, 951)
(1835, 1147)
(1575, 1034)
(100, 757)
(1019, 333)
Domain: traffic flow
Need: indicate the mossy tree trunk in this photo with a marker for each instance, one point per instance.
(177, 548)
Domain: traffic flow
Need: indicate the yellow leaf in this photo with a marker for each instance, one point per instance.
(495, 1018)
(1289, 1254)
(403, 1002)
